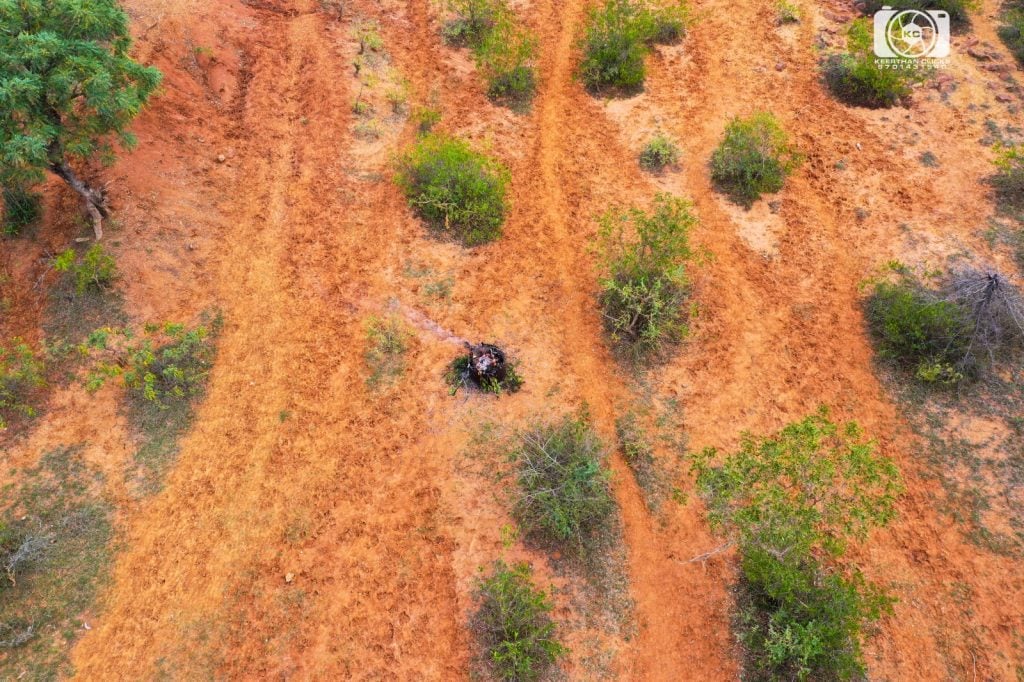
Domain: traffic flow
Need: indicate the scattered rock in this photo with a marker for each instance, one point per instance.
(1004, 98)
(780, 66)
(774, 205)
(221, 158)
(289, 577)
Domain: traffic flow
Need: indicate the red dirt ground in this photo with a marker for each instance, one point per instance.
(364, 496)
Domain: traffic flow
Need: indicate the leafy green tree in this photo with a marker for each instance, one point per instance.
(68, 90)
(791, 502)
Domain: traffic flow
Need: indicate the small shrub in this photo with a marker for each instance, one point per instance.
(457, 191)
(786, 12)
(957, 9)
(1009, 179)
(668, 23)
(95, 269)
(473, 21)
(505, 57)
(659, 153)
(857, 78)
(426, 118)
(514, 624)
(166, 365)
(919, 331)
(644, 283)
(1011, 31)
(387, 341)
(22, 209)
(564, 496)
(21, 371)
(791, 502)
(754, 158)
(654, 480)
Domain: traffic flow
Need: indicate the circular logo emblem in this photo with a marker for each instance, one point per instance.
(911, 33)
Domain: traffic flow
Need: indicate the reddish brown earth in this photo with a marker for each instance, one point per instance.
(367, 497)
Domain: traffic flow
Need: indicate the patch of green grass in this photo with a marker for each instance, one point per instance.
(644, 280)
(21, 373)
(563, 497)
(1009, 178)
(473, 21)
(754, 158)
(59, 520)
(786, 12)
(1011, 31)
(660, 153)
(387, 341)
(459, 192)
(513, 624)
(22, 208)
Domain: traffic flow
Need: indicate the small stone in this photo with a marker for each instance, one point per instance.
(780, 66)
(221, 158)
(1006, 99)
(289, 577)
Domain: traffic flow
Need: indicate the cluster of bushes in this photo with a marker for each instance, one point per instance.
(95, 269)
(513, 624)
(166, 365)
(22, 208)
(459, 192)
(644, 280)
(790, 503)
(859, 78)
(1011, 31)
(504, 51)
(754, 158)
(619, 35)
(563, 493)
(946, 334)
(21, 372)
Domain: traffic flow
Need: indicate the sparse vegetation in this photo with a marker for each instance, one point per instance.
(94, 269)
(1011, 31)
(55, 534)
(460, 193)
(947, 334)
(754, 158)
(473, 21)
(21, 372)
(618, 37)
(70, 85)
(957, 9)
(644, 282)
(786, 12)
(791, 502)
(660, 153)
(858, 78)
(514, 624)
(653, 478)
(21, 209)
(426, 118)
(387, 341)
(1009, 179)
(563, 492)
(505, 57)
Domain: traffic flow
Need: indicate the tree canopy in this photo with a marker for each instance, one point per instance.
(68, 89)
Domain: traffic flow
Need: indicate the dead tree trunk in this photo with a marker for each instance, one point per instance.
(95, 201)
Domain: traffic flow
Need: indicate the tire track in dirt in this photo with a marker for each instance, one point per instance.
(292, 469)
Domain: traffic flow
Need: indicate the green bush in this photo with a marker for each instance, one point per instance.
(564, 496)
(514, 624)
(754, 158)
(919, 330)
(505, 57)
(20, 373)
(791, 502)
(1009, 179)
(1011, 31)
(644, 283)
(957, 9)
(659, 153)
(473, 20)
(22, 208)
(668, 23)
(857, 78)
(95, 269)
(787, 12)
(457, 191)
